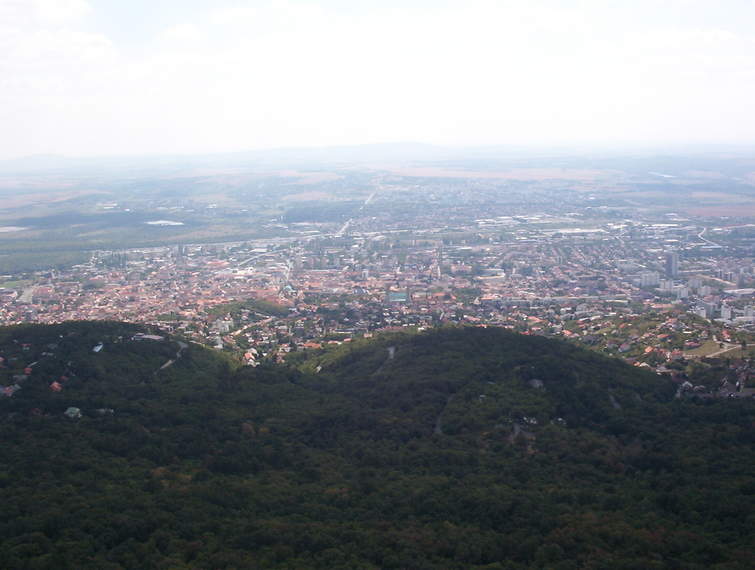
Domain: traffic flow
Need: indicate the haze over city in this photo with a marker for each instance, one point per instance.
(100, 77)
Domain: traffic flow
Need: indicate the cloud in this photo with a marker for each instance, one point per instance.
(278, 73)
(182, 34)
(60, 12)
(26, 14)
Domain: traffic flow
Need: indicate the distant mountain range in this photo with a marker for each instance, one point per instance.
(301, 157)
(451, 448)
(639, 159)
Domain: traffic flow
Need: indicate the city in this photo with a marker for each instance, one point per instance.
(655, 293)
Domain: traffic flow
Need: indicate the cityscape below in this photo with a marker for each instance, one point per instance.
(652, 267)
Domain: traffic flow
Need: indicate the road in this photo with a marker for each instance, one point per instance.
(345, 227)
(727, 348)
(250, 325)
(706, 240)
(251, 259)
(179, 353)
(27, 295)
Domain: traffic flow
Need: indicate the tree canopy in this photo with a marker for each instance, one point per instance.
(453, 448)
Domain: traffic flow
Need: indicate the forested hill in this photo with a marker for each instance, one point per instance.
(455, 448)
(483, 381)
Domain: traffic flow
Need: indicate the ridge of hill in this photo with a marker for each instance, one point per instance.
(452, 448)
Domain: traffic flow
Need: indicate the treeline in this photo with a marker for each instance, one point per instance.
(39, 261)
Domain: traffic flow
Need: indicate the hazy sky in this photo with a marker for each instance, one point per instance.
(83, 77)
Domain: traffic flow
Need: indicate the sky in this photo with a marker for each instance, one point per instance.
(140, 77)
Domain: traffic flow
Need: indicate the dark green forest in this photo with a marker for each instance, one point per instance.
(460, 448)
